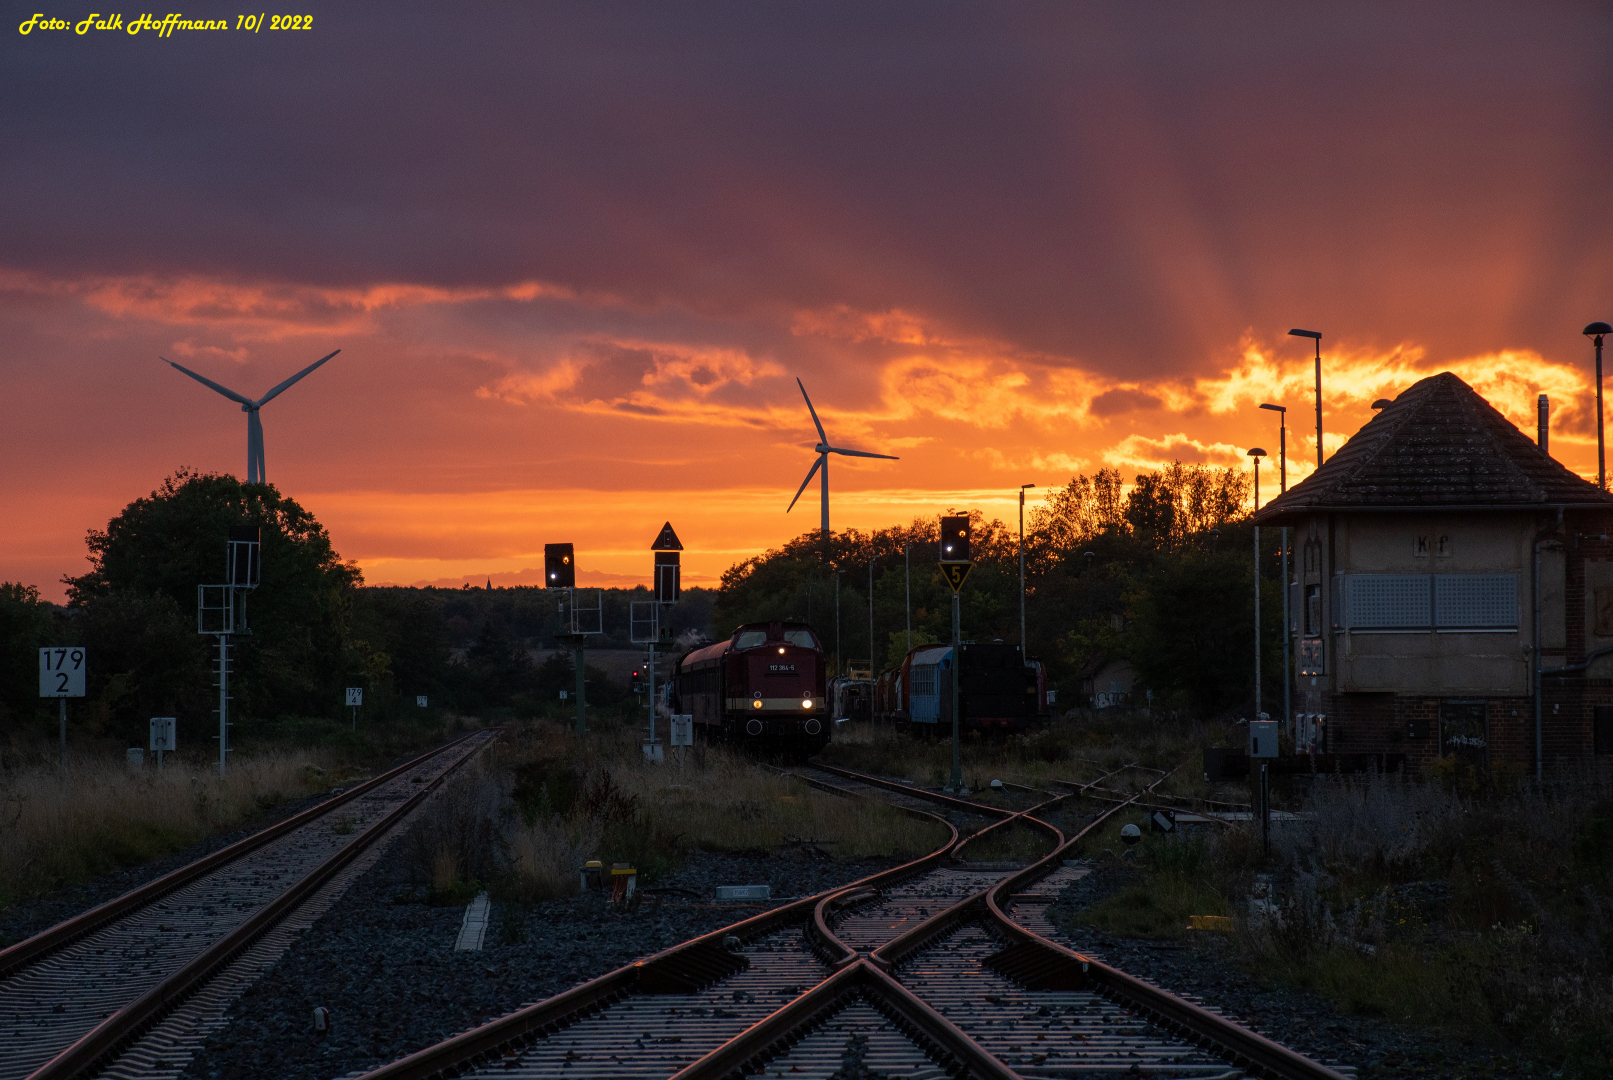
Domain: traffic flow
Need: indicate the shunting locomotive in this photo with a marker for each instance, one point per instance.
(764, 687)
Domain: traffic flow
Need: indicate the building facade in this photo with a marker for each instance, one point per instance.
(1441, 559)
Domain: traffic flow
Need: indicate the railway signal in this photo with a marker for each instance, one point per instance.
(955, 566)
(955, 538)
(221, 609)
(559, 566)
(645, 621)
(667, 571)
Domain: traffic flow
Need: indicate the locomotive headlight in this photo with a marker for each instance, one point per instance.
(806, 703)
(757, 704)
(781, 651)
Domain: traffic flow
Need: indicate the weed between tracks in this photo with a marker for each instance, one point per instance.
(526, 815)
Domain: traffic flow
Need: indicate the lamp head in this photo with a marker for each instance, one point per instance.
(1022, 487)
(1276, 408)
(1257, 453)
(1597, 329)
(1314, 335)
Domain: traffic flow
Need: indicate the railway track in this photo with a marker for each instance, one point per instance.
(95, 993)
(939, 967)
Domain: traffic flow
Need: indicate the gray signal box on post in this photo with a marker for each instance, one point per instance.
(1263, 738)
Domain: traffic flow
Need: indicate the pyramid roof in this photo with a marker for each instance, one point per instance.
(1438, 446)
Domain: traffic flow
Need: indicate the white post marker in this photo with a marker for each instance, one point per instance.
(61, 675)
(420, 701)
(355, 698)
(163, 736)
(682, 729)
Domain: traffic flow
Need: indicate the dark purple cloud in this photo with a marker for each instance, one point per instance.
(1129, 188)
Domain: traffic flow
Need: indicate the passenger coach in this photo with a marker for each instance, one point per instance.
(999, 691)
(764, 687)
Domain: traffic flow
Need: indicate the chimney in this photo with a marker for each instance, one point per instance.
(1544, 423)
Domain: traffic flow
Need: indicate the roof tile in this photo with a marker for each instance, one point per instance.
(1438, 445)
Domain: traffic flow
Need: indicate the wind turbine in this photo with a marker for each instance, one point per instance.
(255, 473)
(823, 450)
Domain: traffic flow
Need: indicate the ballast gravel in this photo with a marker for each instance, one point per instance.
(384, 963)
(1208, 972)
(25, 918)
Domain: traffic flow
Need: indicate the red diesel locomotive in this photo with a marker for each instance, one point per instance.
(763, 687)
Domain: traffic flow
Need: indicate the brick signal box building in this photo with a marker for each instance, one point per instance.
(1439, 558)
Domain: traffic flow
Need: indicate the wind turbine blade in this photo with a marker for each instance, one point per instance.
(272, 394)
(862, 453)
(821, 436)
(810, 474)
(226, 391)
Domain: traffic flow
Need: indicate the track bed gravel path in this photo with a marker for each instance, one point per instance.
(389, 974)
(1206, 970)
(25, 918)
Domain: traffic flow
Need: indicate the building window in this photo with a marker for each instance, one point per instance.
(1313, 610)
(1386, 601)
(1602, 598)
(1478, 601)
(1409, 602)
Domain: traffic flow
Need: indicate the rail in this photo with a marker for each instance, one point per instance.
(87, 1054)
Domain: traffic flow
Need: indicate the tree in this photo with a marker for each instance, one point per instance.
(168, 543)
(25, 628)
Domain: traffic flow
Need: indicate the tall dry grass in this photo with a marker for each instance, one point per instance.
(554, 802)
(61, 828)
(1074, 749)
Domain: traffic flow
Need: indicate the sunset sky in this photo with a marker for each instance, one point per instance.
(575, 257)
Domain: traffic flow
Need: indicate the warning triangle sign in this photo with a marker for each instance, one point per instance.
(668, 540)
(956, 572)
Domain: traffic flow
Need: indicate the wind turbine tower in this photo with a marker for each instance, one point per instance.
(823, 450)
(255, 473)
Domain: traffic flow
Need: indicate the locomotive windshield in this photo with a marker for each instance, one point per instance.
(750, 639)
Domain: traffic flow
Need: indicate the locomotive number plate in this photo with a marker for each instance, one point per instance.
(780, 667)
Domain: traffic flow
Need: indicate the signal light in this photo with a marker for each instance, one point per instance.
(559, 566)
(638, 682)
(955, 538)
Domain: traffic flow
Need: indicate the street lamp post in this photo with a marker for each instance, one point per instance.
(1024, 648)
(1257, 453)
(840, 656)
(1316, 336)
(1282, 473)
(1596, 331)
(907, 580)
